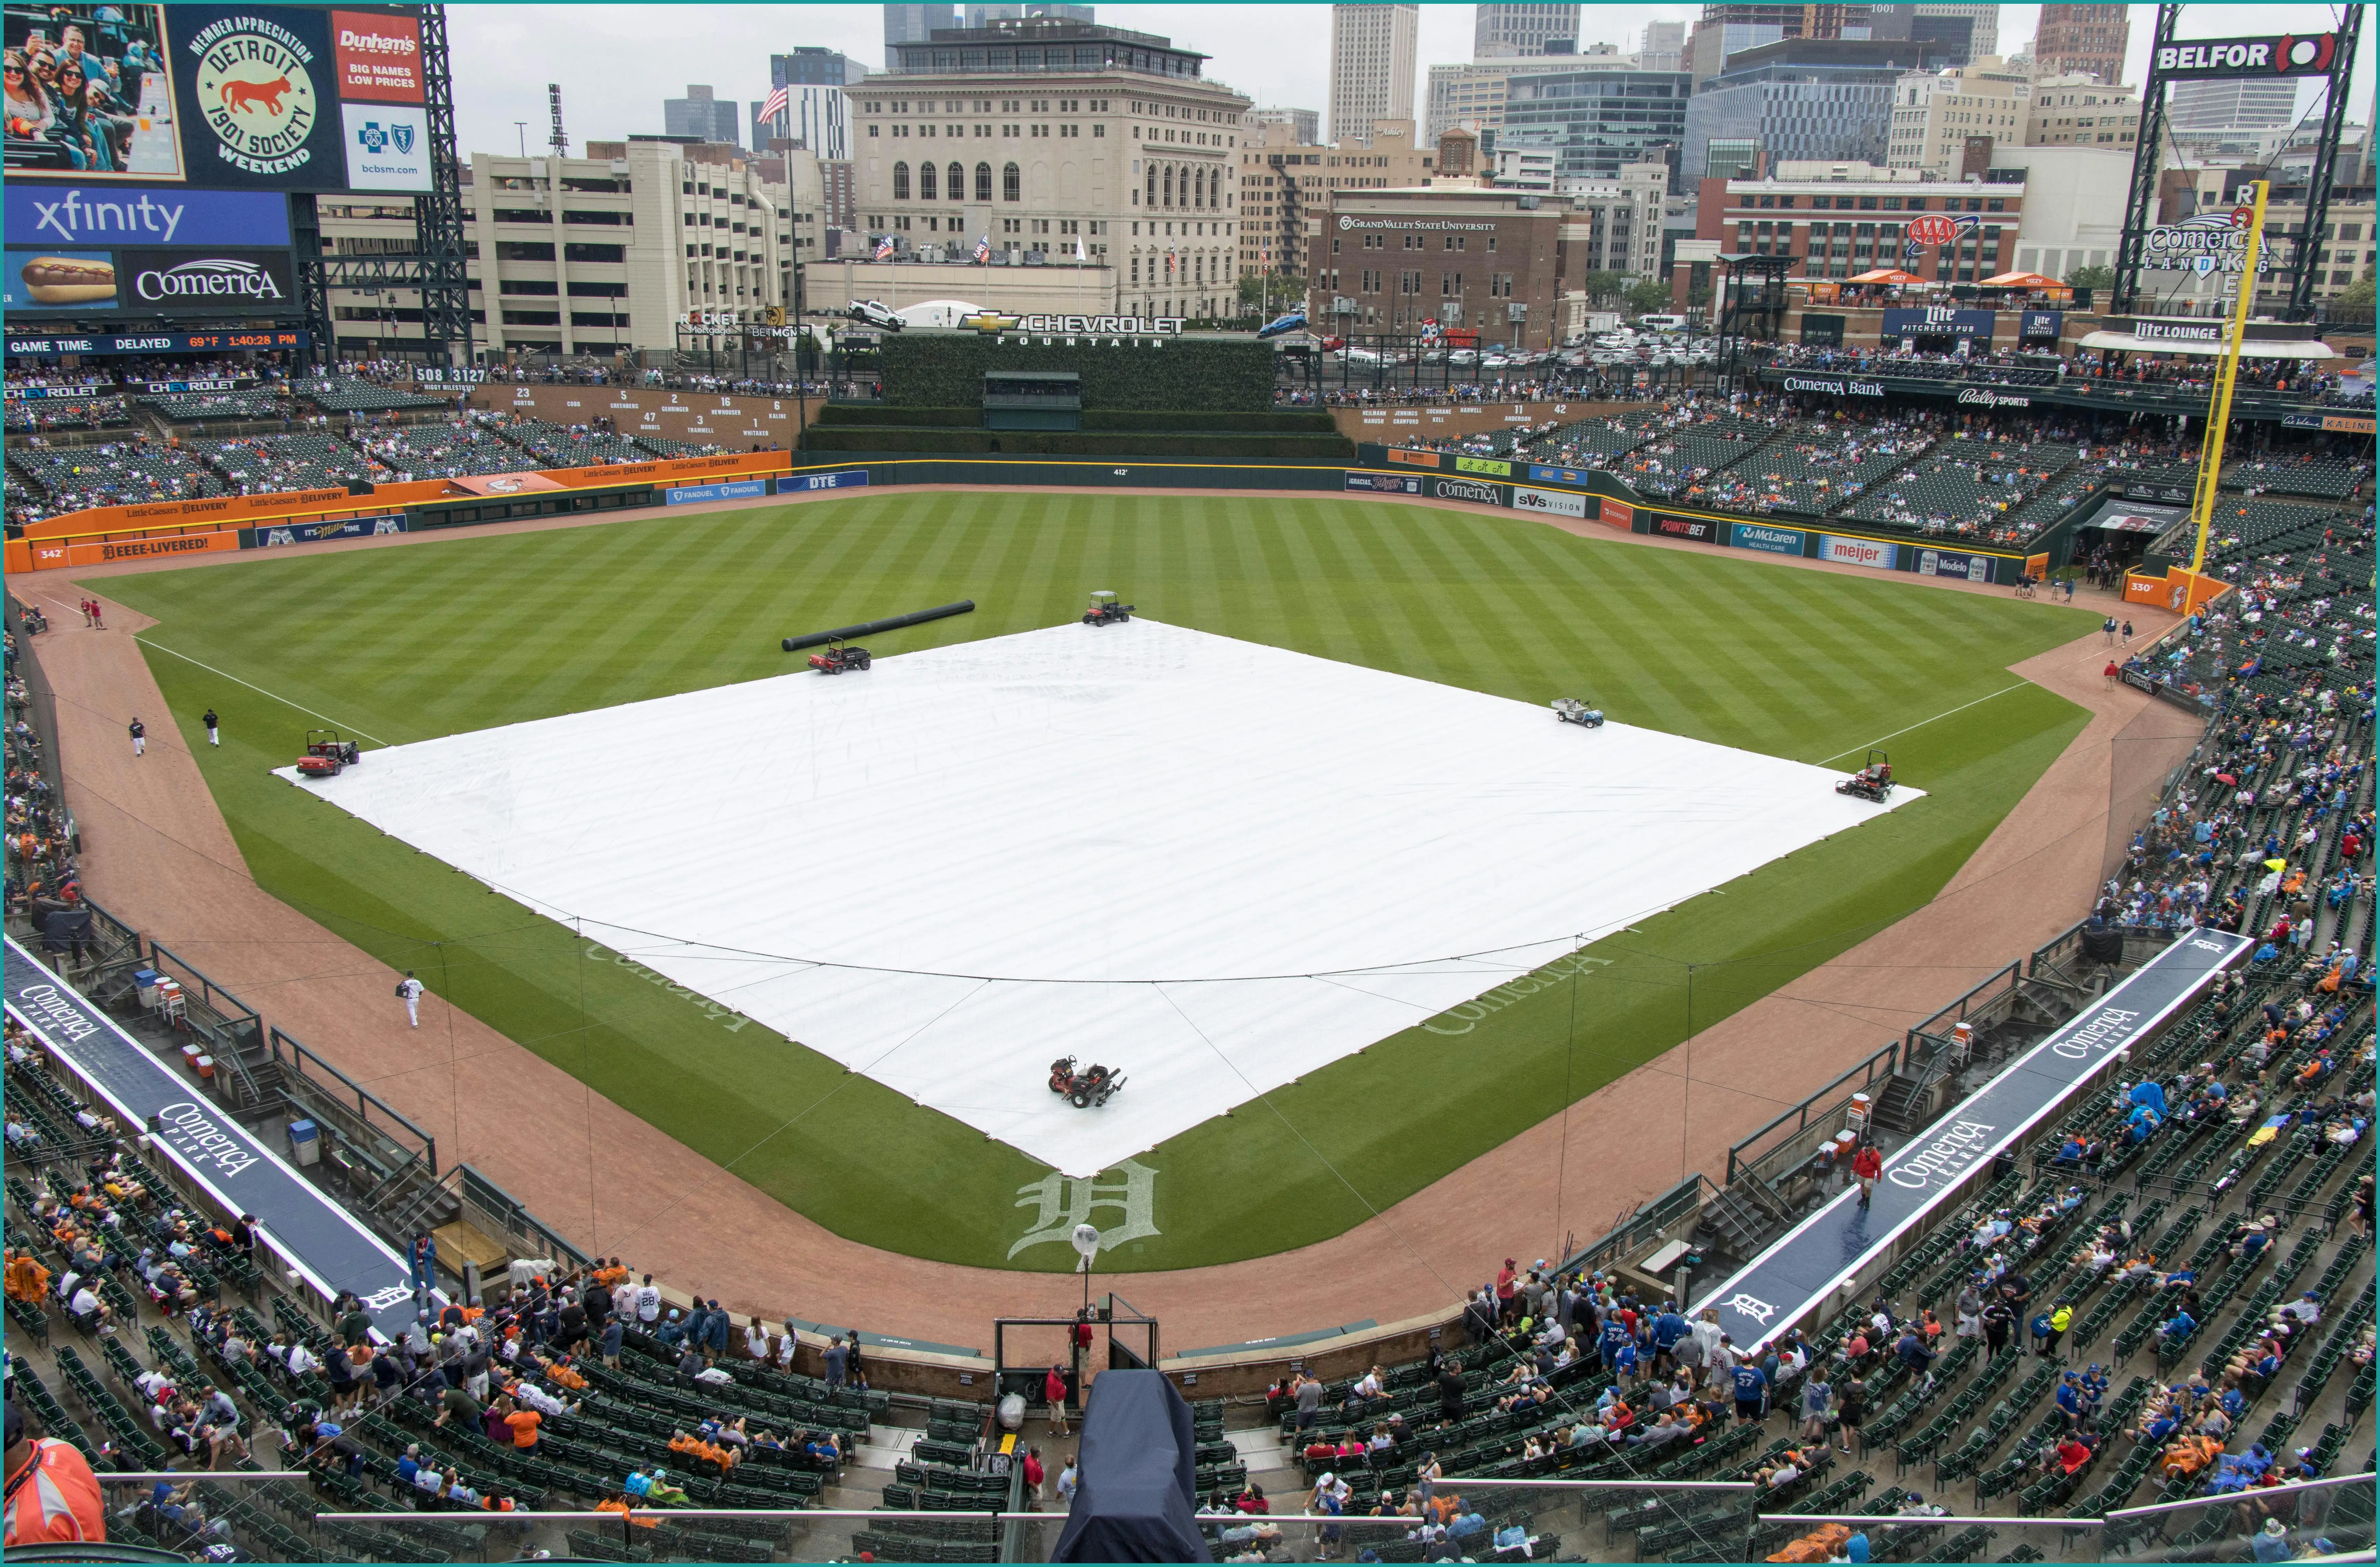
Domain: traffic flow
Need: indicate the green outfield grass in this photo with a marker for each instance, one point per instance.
(464, 633)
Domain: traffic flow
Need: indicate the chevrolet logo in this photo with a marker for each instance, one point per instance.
(988, 322)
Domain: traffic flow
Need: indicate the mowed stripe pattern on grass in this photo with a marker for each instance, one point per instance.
(467, 632)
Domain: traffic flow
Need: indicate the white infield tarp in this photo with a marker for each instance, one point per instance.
(1211, 864)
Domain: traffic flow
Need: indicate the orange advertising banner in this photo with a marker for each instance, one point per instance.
(1619, 513)
(1412, 458)
(2180, 590)
(295, 506)
(206, 511)
(143, 549)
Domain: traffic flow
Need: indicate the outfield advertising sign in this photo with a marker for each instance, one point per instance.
(1473, 490)
(1556, 502)
(1700, 530)
(314, 532)
(1386, 483)
(1483, 465)
(1952, 563)
(1558, 474)
(841, 479)
(739, 490)
(1858, 551)
(1773, 541)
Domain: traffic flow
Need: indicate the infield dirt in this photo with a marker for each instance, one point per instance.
(160, 855)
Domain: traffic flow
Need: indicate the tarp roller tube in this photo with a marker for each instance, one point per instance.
(794, 644)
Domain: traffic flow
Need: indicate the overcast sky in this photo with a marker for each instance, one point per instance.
(615, 63)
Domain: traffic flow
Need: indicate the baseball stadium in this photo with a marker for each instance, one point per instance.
(1115, 937)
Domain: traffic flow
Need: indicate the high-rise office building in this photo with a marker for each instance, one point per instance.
(1664, 48)
(1730, 29)
(2088, 39)
(984, 16)
(914, 24)
(1067, 134)
(1800, 98)
(1472, 92)
(1983, 38)
(699, 113)
(1374, 50)
(817, 114)
(2082, 111)
(2201, 109)
(1305, 126)
(1597, 122)
(1523, 29)
(1935, 113)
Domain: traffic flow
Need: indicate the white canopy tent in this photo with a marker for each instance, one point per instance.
(2310, 348)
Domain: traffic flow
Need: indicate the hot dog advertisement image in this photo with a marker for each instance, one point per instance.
(60, 280)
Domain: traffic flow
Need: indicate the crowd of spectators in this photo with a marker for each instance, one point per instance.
(317, 450)
(75, 85)
(43, 856)
(2085, 369)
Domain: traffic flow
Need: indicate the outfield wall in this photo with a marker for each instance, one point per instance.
(1382, 473)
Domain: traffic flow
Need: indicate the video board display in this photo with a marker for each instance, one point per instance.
(225, 96)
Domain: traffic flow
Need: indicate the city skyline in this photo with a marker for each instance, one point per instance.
(1285, 62)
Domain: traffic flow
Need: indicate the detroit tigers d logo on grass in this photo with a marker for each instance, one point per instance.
(1064, 1201)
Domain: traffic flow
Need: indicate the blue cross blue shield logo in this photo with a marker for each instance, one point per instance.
(374, 139)
(403, 136)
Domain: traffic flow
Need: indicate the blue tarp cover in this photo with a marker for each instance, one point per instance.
(1138, 1499)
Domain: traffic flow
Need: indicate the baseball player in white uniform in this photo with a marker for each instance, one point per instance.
(408, 990)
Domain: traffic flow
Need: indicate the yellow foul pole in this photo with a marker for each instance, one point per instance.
(2218, 406)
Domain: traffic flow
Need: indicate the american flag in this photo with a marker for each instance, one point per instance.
(775, 105)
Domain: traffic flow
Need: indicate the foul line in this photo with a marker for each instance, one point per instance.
(1922, 723)
(257, 689)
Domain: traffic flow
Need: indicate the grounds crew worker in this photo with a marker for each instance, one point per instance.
(51, 1494)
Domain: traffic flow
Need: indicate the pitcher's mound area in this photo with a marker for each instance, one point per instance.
(1209, 864)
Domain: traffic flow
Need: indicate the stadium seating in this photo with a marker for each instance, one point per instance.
(36, 415)
(1963, 487)
(2282, 771)
(203, 407)
(116, 473)
(263, 463)
(353, 394)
